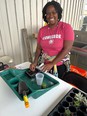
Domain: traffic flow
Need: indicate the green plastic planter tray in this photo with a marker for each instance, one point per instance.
(13, 76)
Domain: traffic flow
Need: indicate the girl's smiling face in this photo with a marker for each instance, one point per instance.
(51, 16)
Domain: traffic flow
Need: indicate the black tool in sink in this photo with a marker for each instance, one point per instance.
(32, 73)
(23, 90)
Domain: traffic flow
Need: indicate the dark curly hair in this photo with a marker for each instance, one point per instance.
(57, 7)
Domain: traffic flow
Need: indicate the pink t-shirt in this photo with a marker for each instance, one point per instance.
(52, 39)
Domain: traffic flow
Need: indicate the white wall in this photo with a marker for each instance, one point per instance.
(18, 14)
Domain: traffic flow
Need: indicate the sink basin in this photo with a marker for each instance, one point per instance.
(79, 55)
(85, 47)
(79, 44)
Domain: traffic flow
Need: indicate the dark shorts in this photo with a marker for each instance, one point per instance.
(61, 70)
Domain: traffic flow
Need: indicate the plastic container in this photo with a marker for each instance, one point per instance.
(67, 106)
(39, 78)
(61, 110)
(72, 110)
(69, 100)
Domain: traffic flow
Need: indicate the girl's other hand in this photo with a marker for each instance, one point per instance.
(47, 67)
(32, 66)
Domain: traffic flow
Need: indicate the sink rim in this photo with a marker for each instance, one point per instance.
(79, 49)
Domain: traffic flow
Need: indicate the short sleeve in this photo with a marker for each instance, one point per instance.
(39, 36)
(68, 33)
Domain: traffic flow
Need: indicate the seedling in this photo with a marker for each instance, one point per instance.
(76, 103)
(85, 101)
(43, 85)
(67, 112)
(80, 99)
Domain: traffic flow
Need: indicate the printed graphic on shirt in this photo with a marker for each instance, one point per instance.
(51, 41)
(51, 38)
(56, 36)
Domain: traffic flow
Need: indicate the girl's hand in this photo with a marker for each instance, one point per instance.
(32, 66)
(47, 67)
